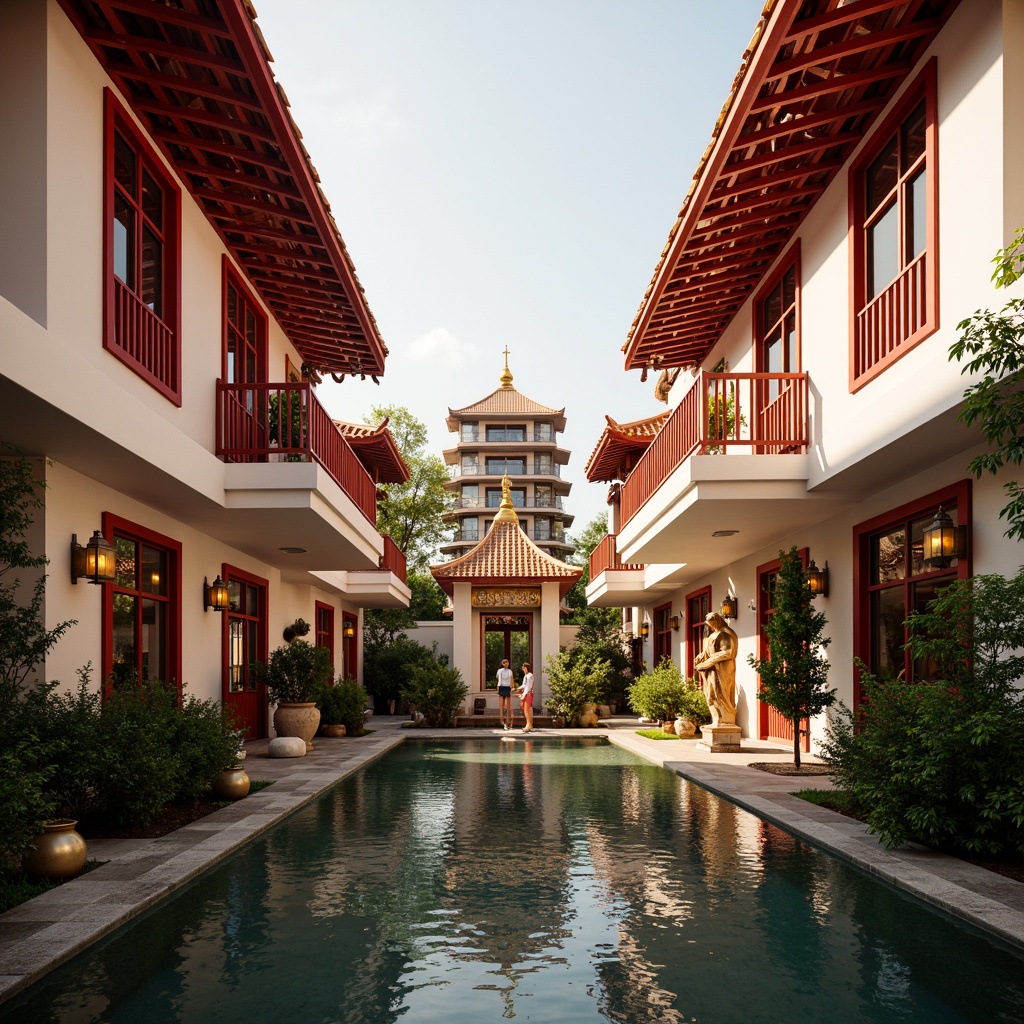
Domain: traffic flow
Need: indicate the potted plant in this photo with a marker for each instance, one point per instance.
(292, 677)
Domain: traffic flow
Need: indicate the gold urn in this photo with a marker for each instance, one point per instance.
(60, 852)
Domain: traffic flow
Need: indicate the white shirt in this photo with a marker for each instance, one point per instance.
(504, 676)
(527, 684)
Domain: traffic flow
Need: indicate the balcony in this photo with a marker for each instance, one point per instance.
(384, 587)
(614, 583)
(483, 502)
(730, 463)
(507, 467)
(287, 423)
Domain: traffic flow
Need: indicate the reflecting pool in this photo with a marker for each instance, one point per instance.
(546, 880)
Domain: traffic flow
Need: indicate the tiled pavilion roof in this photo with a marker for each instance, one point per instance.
(506, 555)
(815, 76)
(506, 400)
(197, 75)
(376, 450)
(620, 446)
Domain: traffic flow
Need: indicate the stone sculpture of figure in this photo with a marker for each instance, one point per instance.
(716, 665)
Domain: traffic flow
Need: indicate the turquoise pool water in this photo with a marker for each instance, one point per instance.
(552, 881)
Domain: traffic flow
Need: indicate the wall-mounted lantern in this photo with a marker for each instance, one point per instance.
(215, 594)
(96, 562)
(943, 541)
(645, 627)
(817, 579)
(730, 606)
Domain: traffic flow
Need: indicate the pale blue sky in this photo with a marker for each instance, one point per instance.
(506, 173)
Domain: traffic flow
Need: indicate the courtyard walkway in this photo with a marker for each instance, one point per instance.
(137, 873)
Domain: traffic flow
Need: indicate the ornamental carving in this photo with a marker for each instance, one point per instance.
(506, 597)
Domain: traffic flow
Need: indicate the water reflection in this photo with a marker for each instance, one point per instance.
(542, 880)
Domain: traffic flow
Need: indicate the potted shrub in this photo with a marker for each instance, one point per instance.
(658, 695)
(342, 708)
(292, 678)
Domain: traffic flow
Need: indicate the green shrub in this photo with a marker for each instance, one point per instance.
(24, 803)
(203, 741)
(658, 694)
(438, 692)
(294, 672)
(573, 683)
(344, 703)
(388, 667)
(941, 760)
(694, 705)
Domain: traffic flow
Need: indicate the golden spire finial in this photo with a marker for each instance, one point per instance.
(506, 374)
(506, 510)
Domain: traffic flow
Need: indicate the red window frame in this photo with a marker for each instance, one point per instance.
(144, 339)
(349, 648)
(954, 499)
(763, 329)
(323, 628)
(698, 605)
(115, 525)
(662, 630)
(236, 333)
(232, 574)
(883, 328)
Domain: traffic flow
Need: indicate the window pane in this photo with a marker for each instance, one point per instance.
(232, 305)
(152, 201)
(236, 655)
(789, 288)
(773, 352)
(124, 668)
(887, 557)
(772, 309)
(125, 562)
(154, 640)
(917, 216)
(152, 272)
(881, 177)
(887, 615)
(883, 252)
(124, 164)
(252, 602)
(913, 138)
(124, 241)
(154, 570)
(234, 596)
(789, 325)
(518, 497)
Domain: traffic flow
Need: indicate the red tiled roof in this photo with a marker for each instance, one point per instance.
(620, 446)
(196, 73)
(812, 81)
(504, 555)
(376, 450)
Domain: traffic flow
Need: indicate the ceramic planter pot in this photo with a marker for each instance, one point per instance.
(231, 783)
(60, 852)
(297, 720)
(332, 730)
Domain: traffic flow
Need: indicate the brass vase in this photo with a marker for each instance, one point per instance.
(231, 783)
(60, 852)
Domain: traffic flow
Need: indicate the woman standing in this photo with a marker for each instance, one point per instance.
(505, 695)
(526, 695)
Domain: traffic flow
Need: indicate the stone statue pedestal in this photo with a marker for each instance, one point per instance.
(720, 739)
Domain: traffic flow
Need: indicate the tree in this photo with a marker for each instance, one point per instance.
(592, 535)
(411, 514)
(994, 343)
(428, 599)
(794, 674)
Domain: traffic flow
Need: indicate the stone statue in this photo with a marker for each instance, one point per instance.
(716, 665)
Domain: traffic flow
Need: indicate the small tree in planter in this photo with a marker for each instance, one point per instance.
(794, 675)
(344, 703)
(437, 691)
(573, 683)
(658, 695)
(292, 677)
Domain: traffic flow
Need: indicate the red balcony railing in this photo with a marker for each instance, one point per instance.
(759, 413)
(393, 559)
(891, 318)
(260, 422)
(605, 556)
(143, 341)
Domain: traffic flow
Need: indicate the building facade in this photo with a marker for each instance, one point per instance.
(508, 433)
(864, 171)
(172, 287)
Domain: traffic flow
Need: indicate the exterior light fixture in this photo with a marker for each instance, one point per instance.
(300, 627)
(215, 594)
(97, 561)
(348, 630)
(730, 606)
(943, 541)
(673, 621)
(817, 579)
(645, 627)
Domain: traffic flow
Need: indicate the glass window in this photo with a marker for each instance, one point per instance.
(470, 432)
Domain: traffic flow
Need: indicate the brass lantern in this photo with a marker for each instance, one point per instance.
(943, 541)
(97, 561)
(817, 579)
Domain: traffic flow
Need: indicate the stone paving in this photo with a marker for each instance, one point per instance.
(137, 873)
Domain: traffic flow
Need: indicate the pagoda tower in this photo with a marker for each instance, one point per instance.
(507, 433)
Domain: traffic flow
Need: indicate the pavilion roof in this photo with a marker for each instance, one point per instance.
(813, 79)
(506, 401)
(620, 446)
(197, 75)
(376, 450)
(506, 555)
